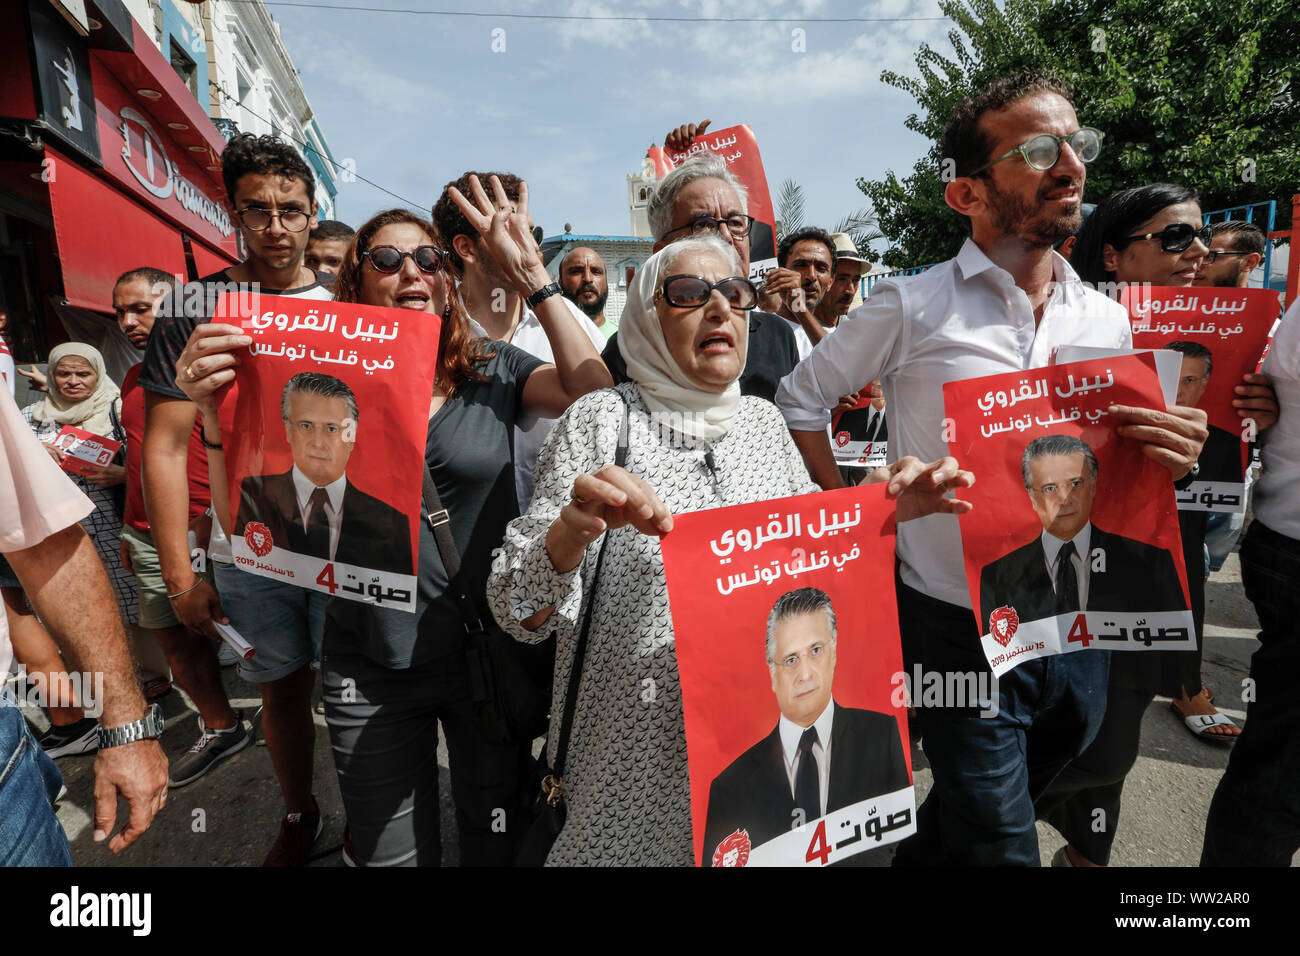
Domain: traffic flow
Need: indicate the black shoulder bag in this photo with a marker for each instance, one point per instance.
(510, 682)
(548, 808)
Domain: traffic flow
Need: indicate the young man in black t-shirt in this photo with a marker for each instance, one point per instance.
(270, 190)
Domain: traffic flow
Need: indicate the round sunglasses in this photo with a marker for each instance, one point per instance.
(690, 292)
(1177, 236)
(389, 259)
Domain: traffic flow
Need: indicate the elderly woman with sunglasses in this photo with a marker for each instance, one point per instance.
(391, 676)
(1150, 234)
(694, 443)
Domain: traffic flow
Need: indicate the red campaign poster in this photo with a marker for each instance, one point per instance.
(860, 436)
(1073, 542)
(752, 589)
(1222, 334)
(736, 145)
(324, 433)
(84, 452)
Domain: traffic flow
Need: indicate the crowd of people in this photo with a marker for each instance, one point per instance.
(555, 486)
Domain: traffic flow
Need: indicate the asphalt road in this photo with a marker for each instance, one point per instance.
(231, 816)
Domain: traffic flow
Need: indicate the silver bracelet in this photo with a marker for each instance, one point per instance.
(172, 597)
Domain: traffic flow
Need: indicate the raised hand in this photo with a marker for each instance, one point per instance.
(506, 231)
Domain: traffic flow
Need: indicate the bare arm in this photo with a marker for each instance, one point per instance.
(817, 455)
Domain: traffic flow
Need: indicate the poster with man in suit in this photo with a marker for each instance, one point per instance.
(790, 670)
(324, 431)
(1073, 542)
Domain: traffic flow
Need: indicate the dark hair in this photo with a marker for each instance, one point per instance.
(806, 234)
(150, 275)
(1243, 236)
(318, 383)
(964, 141)
(264, 155)
(1114, 219)
(1194, 350)
(1056, 445)
(458, 350)
(328, 229)
(451, 222)
(798, 601)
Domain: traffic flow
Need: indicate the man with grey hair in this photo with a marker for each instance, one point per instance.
(821, 756)
(703, 197)
(1073, 565)
(313, 509)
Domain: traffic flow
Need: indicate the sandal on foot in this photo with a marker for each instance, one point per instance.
(1200, 724)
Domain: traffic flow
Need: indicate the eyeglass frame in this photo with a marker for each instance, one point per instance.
(1205, 234)
(662, 291)
(443, 259)
(1213, 255)
(273, 214)
(716, 228)
(1060, 140)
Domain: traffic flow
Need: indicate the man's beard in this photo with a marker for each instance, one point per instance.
(1014, 216)
(596, 307)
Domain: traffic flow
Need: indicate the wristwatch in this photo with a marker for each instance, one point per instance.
(1188, 478)
(148, 726)
(545, 292)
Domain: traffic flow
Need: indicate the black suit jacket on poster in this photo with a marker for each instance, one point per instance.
(373, 534)
(857, 422)
(1138, 577)
(1221, 457)
(753, 794)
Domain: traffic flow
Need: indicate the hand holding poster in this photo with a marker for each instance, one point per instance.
(324, 433)
(1073, 542)
(738, 148)
(1221, 333)
(860, 436)
(85, 453)
(783, 651)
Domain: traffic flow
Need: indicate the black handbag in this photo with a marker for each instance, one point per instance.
(510, 682)
(548, 810)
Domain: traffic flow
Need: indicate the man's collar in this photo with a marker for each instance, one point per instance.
(303, 487)
(791, 732)
(972, 261)
(1082, 544)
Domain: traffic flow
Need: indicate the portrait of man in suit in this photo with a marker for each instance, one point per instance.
(1073, 565)
(314, 508)
(1221, 457)
(866, 424)
(821, 756)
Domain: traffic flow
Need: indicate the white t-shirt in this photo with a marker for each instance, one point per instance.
(37, 499)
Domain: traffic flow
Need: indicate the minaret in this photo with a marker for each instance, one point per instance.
(639, 188)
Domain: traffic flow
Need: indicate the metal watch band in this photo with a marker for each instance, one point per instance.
(148, 726)
(545, 292)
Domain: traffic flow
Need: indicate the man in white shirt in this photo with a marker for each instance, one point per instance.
(1005, 302)
(805, 267)
(501, 313)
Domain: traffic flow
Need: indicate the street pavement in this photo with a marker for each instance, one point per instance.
(231, 816)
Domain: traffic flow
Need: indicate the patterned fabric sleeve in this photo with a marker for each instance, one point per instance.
(523, 580)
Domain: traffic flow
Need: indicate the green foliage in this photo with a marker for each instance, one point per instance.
(1199, 92)
(789, 208)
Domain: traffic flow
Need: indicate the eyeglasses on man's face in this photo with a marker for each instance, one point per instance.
(1214, 254)
(258, 219)
(737, 225)
(1043, 151)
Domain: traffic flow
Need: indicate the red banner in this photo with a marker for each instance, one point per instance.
(737, 146)
(1222, 334)
(324, 432)
(768, 574)
(1073, 542)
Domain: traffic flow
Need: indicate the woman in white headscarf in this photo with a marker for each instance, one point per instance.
(695, 443)
(80, 395)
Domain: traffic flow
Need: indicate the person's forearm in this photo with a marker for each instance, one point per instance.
(816, 450)
(577, 362)
(167, 498)
(564, 548)
(813, 326)
(67, 585)
(217, 486)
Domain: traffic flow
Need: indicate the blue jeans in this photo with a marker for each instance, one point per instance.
(1254, 817)
(1221, 532)
(285, 623)
(30, 834)
(989, 772)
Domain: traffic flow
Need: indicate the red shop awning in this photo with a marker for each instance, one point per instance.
(206, 261)
(101, 233)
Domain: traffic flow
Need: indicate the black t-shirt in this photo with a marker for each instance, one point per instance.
(468, 452)
(772, 356)
(179, 314)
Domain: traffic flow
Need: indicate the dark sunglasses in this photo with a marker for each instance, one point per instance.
(1210, 257)
(690, 292)
(1177, 236)
(389, 259)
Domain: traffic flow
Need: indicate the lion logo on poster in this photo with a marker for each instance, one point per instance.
(258, 537)
(1003, 624)
(842, 438)
(733, 851)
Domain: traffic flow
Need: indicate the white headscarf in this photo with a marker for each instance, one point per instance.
(92, 412)
(664, 386)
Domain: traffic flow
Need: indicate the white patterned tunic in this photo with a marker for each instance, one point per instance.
(625, 780)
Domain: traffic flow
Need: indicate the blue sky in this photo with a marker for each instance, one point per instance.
(571, 105)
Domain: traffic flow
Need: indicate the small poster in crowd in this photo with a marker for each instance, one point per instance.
(860, 436)
(1221, 334)
(796, 727)
(85, 453)
(1091, 557)
(736, 145)
(324, 433)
